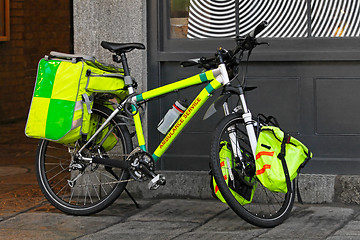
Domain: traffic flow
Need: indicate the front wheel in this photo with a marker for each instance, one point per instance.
(78, 187)
(261, 207)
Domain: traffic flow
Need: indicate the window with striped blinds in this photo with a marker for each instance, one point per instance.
(286, 18)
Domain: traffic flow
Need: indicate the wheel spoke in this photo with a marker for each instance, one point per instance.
(101, 185)
(56, 174)
(71, 195)
(59, 182)
(56, 157)
(61, 189)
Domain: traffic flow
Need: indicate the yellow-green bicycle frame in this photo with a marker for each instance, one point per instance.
(216, 78)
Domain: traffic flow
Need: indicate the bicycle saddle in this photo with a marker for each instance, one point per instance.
(119, 48)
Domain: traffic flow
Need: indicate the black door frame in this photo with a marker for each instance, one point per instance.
(315, 51)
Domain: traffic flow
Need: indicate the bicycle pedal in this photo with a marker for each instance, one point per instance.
(156, 182)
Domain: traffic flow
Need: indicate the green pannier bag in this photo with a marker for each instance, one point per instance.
(242, 193)
(60, 109)
(279, 155)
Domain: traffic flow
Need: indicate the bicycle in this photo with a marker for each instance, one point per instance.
(86, 178)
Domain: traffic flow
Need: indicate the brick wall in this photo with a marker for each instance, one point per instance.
(36, 28)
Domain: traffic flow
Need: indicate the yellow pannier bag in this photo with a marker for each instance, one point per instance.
(279, 156)
(242, 193)
(61, 105)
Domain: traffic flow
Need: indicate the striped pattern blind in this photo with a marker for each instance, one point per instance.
(215, 18)
(335, 18)
(287, 18)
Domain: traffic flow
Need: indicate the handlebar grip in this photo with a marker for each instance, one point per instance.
(258, 29)
(188, 63)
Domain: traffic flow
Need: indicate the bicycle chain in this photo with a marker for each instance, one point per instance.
(108, 183)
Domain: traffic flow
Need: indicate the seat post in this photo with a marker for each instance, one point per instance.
(127, 79)
(125, 64)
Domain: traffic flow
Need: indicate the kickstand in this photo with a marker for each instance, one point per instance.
(132, 198)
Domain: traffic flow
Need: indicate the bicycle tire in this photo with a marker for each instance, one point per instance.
(267, 209)
(97, 188)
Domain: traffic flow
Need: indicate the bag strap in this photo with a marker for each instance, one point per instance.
(308, 157)
(281, 156)
(87, 100)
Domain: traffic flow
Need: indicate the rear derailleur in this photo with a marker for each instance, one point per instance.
(142, 167)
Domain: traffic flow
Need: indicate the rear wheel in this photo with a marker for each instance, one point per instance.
(79, 187)
(267, 208)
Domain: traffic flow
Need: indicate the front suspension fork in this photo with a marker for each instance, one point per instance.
(249, 124)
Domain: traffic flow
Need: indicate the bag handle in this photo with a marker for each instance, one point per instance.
(262, 119)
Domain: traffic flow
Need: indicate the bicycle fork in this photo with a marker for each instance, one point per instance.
(249, 124)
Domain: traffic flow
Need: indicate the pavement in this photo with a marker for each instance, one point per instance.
(25, 213)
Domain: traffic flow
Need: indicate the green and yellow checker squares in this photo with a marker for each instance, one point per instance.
(53, 104)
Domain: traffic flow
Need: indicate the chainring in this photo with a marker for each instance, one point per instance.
(137, 158)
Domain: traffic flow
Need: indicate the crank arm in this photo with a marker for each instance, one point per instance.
(157, 179)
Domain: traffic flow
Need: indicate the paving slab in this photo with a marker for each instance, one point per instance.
(12, 170)
(12, 234)
(125, 208)
(144, 230)
(21, 198)
(165, 219)
(53, 225)
(226, 225)
(215, 235)
(181, 210)
(343, 238)
(179, 219)
(314, 222)
(350, 231)
(18, 189)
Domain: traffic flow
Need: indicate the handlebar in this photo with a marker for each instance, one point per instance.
(246, 43)
(204, 62)
(189, 63)
(258, 29)
(250, 41)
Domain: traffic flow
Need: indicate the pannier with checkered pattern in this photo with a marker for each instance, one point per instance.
(60, 110)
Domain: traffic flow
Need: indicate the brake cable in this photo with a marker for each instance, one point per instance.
(243, 84)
